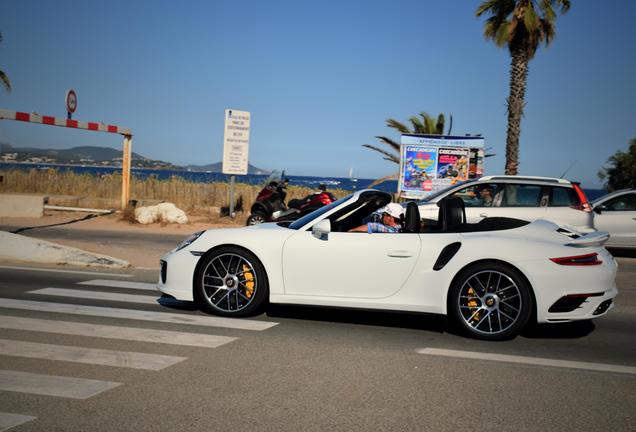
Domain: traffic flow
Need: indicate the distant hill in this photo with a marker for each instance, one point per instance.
(97, 154)
(89, 155)
(218, 167)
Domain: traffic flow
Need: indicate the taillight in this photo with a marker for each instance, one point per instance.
(584, 204)
(578, 260)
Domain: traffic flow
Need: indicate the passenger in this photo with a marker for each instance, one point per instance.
(485, 194)
(392, 213)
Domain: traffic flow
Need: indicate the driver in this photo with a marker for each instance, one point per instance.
(392, 213)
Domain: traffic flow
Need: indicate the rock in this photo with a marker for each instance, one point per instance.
(164, 212)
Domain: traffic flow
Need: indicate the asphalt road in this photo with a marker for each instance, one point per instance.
(315, 370)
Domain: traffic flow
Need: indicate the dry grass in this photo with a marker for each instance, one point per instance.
(86, 190)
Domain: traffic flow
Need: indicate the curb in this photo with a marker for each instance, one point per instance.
(22, 248)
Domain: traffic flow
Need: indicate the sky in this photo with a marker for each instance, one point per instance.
(319, 79)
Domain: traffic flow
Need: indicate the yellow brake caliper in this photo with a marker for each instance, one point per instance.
(249, 281)
(472, 303)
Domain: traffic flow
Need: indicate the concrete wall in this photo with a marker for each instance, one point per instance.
(21, 205)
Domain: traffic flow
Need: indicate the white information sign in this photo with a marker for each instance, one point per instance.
(236, 141)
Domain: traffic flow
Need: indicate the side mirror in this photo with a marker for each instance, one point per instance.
(321, 229)
(599, 209)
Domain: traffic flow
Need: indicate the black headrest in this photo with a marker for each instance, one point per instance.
(412, 218)
(452, 214)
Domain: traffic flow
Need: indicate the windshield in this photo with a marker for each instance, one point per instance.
(275, 176)
(317, 213)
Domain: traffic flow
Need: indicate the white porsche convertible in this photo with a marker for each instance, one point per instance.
(490, 278)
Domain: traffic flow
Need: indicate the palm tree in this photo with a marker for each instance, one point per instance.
(424, 124)
(521, 25)
(3, 76)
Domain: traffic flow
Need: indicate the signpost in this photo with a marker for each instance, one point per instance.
(236, 139)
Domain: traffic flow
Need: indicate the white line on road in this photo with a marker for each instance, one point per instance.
(166, 317)
(9, 420)
(96, 356)
(40, 269)
(98, 295)
(120, 284)
(113, 332)
(536, 361)
(50, 385)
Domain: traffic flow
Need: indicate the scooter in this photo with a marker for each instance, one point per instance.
(270, 203)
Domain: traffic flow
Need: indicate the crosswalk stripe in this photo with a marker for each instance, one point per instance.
(96, 356)
(49, 270)
(99, 295)
(536, 361)
(51, 385)
(113, 332)
(166, 317)
(9, 420)
(120, 284)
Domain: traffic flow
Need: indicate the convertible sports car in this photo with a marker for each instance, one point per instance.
(490, 278)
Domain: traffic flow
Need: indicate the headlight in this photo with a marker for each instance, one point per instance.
(189, 240)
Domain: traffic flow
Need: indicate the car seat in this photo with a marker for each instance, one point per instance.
(412, 219)
(452, 214)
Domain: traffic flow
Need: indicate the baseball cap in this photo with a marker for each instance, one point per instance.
(393, 209)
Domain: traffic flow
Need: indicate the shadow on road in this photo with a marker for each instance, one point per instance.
(417, 321)
(572, 330)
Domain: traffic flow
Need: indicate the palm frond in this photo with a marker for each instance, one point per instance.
(450, 124)
(388, 156)
(5, 81)
(388, 141)
(439, 127)
(400, 127)
(418, 126)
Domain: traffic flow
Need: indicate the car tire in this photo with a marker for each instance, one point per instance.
(231, 282)
(490, 301)
(256, 218)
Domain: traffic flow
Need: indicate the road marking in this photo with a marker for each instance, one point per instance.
(96, 356)
(65, 271)
(536, 361)
(51, 385)
(166, 317)
(9, 420)
(121, 284)
(98, 295)
(113, 332)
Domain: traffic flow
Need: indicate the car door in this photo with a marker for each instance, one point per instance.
(348, 265)
(618, 217)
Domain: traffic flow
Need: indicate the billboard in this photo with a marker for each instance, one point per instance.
(429, 163)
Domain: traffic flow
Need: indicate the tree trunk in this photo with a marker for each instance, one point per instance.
(518, 80)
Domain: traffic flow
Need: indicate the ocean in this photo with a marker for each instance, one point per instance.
(349, 184)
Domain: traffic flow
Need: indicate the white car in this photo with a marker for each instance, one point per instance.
(491, 278)
(616, 214)
(521, 197)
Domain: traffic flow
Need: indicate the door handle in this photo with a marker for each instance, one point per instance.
(400, 254)
(484, 215)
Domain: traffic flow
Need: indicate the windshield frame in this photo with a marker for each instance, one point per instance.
(308, 218)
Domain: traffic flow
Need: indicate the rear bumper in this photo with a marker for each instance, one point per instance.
(592, 307)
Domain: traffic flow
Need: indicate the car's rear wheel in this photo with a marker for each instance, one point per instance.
(490, 301)
(232, 282)
(256, 218)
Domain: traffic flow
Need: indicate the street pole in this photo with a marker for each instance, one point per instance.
(125, 172)
(232, 196)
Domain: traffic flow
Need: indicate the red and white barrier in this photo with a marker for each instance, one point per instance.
(55, 121)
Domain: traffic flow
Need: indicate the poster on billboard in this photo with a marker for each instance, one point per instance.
(429, 163)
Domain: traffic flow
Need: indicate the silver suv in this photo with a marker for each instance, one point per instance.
(519, 197)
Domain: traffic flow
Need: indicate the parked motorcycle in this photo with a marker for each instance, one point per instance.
(270, 203)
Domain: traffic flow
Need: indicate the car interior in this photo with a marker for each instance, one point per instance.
(451, 217)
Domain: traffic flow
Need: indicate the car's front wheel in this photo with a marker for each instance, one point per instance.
(490, 301)
(232, 282)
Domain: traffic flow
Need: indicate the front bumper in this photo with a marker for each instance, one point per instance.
(177, 274)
